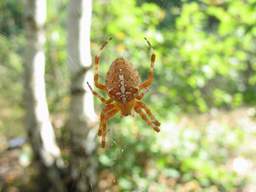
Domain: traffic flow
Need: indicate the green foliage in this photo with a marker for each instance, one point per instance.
(206, 56)
(212, 54)
(12, 42)
(172, 159)
(205, 50)
(205, 59)
(11, 17)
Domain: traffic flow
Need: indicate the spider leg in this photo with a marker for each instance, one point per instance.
(143, 115)
(97, 61)
(103, 125)
(107, 108)
(109, 115)
(148, 112)
(148, 82)
(141, 95)
(103, 100)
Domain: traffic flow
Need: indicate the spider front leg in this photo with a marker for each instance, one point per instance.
(146, 84)
(151, 121)
(107, 113)
(102, 99)
(97, 61)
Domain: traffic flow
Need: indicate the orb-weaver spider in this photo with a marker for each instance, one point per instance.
(125, 91)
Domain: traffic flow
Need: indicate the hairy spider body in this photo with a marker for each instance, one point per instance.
(124, 87)
(122, 82)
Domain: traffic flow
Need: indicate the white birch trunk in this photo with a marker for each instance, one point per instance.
(40, 130)
(82, 114)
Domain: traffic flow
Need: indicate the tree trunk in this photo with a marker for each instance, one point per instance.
(82, 114)
(40, 131)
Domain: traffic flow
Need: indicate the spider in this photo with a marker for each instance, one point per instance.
(124, 87)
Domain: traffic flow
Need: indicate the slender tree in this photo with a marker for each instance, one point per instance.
(82, 114)
(39, 128)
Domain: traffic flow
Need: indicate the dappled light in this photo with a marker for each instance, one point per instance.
(75, 117)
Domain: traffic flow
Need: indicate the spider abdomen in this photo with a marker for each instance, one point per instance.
(122, 81)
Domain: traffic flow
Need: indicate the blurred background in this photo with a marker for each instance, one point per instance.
(204, 94)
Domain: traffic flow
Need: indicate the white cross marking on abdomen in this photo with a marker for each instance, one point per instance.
(122, 87)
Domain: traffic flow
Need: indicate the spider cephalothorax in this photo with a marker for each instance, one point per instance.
(125, 90)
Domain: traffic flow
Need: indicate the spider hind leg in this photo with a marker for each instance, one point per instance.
(147, 116)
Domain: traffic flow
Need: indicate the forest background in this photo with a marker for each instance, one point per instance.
(204, 93)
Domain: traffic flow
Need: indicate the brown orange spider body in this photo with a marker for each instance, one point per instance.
(124, 87)
(122, 83)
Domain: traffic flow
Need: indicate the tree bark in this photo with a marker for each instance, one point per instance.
(82, 115)
(40, 131)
